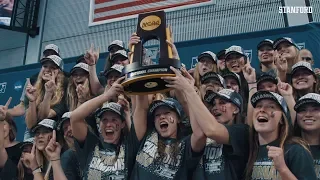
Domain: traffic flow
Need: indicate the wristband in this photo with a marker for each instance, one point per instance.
(38, 170)
(252, 82)
(252, 88)
(55, 160)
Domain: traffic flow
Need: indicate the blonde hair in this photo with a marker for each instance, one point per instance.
(294, 60)
(58, 93)
(41, 159)
(197, 77)
(284, 136)
(72, 96)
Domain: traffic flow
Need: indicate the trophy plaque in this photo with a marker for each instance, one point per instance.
(141, 79)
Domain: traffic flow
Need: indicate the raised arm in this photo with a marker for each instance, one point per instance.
(31, 112)
(91, 58)
(250, 75)
(286, 91)
(184, 88)
(30, 161)
(53, 150)
(78, 124)
(140, 115)
(3, 152)
(50, 87)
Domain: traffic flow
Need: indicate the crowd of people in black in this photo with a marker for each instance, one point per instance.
(221, 120)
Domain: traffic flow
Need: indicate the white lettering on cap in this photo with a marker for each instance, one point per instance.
(117, 67)
(52, 47)
(66, 115)
(302, 63)
(114, 106)
(48, 123)
(83, 66)
(313, 96)
(122, 52)
(156, 105)
(213, 55)
(117, 42)
(236, 49)
(226, 92)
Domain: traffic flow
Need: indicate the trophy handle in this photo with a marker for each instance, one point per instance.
(131, 56)
(168, 34)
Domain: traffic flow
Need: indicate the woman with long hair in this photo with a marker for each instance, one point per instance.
(304, 80)
(308, 125)
(287, 53)
(207, 62)
(164, 153)
(113, 149)
(46, 97)
(274, 153)
(226, 160)
(266, 55)
(24, 171)
(43, 133)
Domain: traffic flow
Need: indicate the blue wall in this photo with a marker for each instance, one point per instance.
(14, 78)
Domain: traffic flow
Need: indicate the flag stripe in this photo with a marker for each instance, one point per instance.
(101, 1)
(125, 5)
(146, 10)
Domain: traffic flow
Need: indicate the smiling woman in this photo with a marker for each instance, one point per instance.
(272, 145)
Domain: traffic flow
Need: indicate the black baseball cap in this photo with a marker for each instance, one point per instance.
(64, 118)
(310, 98)
(221, 54)
(111, 107)
(284, 39)
(265, 42)
(208, 54)
(48, 123)
(168, 102)
(215, 76)
(233, 75)
(259, 95)
(267, 76)
(302, 65)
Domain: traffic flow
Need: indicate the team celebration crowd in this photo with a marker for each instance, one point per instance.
(222, 119)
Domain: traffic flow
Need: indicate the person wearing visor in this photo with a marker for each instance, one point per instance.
(308, 125)
(221, 55)
(274, 152)
(303, 79)
(207, 62)
(232, 81)
(266, 55)
(114, 149)
(46, 98)
(229, 158)
(287, 55)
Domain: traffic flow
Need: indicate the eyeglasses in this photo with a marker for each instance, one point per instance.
(306, 58)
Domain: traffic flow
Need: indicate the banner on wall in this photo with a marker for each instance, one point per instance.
(106, 11)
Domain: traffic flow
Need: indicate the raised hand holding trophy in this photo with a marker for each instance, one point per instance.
(141, 79)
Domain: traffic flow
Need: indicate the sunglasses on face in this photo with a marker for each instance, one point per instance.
(306, 58)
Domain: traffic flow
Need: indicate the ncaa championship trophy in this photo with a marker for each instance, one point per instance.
(141, 79)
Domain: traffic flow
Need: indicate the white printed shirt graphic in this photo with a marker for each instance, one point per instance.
(212, 160)
(107, 165)
(149, 159)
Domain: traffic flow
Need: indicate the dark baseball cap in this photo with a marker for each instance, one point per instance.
(48, 123)
(235, 50)
(114, 43)
(259, 95)
(233, 75)
(231, 96)
(168, 102)
(213, 75)
(55, 59)
(221, 54)
(82, 66)
(267, 76)
(265, 42)
(115, 68)
(284, 39)
(208, 54)
(120, 53)
(65, 117)
(302, 65)
(111, 107)
(310, 98)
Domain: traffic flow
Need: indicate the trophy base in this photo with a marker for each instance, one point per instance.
(147, 80)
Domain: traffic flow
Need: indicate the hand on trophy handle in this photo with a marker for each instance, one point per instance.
(134, 39)
(179, 82)
(175, 53)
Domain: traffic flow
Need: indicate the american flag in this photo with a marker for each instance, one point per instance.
(105, 11)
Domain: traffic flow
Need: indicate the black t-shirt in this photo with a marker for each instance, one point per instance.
(220, 161)
(100, 160)
(70, 165)
(174, 161)
(14, 153)
(315, 151)
(298, 160)
(9, 171)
